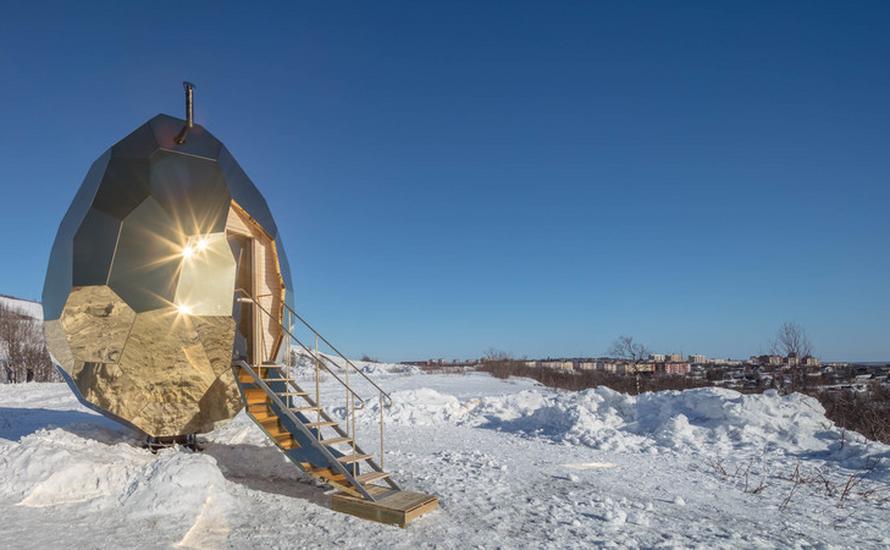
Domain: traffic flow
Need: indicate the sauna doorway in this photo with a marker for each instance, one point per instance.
(258, 332)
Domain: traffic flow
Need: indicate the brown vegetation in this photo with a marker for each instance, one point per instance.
(867, 413)
(23, 353)
(501, 365)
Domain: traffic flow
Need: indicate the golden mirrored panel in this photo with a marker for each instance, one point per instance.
(58, 345)
(207, 277)
(96, 322)
(139, 293)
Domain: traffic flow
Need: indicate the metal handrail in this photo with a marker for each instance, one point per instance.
(250, 298)
(330, 345)
(297, 422)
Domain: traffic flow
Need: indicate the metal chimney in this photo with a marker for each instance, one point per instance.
(189, 111)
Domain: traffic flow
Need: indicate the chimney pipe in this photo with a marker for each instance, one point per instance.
(189, 111)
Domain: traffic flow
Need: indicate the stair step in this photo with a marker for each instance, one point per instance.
(304, 409)
(278, 379)
(292, 393)
(322, 424)
(257, 399)
(336, 440)
(349, 459)
(371, 477)
(270, 420)
(288, 444)
(277, 434)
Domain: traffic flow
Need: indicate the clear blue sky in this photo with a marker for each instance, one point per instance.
(534, 177)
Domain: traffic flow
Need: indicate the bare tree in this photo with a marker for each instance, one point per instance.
(624, 347)
(499, 364)
(790, 339)
(493, 354)
(23, 353)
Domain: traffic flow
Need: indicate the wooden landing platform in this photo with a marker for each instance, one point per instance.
(398, 508)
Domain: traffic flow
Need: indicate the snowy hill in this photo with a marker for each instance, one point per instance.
(515, 464)
(28, 308)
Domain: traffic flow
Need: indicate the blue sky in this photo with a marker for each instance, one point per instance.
(535, 177)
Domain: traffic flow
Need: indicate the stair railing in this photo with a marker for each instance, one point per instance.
(345, 359)
(285, 409)
(325, 362)
(245, 297)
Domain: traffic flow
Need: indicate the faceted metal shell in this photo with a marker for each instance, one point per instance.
(139, 292)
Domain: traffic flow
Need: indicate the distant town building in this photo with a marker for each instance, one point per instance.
(810, 361)
(676, 368)
(698, 359)
(558, 365)
(657, 357)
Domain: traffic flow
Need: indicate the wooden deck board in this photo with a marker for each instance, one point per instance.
(399, 508)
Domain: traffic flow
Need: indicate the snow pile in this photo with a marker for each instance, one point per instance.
(383, 369)
(53, 467)
(420, 407)
(698, 421)
(305, 366)
(27, 308)
(707, 420)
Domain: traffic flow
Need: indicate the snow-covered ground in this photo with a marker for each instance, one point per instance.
(25, 307)
(516, 466)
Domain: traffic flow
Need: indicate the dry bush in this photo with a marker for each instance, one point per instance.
(502, 365)
(867, 413)
(23, 349)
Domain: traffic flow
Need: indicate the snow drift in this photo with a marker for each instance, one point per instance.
(305, 366)
(708, 420)
(52, 467)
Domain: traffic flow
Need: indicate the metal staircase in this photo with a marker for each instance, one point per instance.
(301, 428)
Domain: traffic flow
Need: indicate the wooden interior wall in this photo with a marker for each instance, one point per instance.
(268, 287)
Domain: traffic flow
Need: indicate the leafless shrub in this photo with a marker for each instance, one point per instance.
(867, 413)
(626, 348)
(23, 353)
(716, 464)
(792, 339)
(502, 365)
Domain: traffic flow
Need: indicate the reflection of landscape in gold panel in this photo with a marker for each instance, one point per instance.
(139, 293)
(164, 372)
(96, 323)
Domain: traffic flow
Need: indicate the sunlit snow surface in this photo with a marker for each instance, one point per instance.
(516, 466)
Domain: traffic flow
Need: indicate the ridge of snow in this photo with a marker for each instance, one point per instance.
(704, 420)
(29, 308)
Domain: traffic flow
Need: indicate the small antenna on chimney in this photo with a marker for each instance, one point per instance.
(189, 111)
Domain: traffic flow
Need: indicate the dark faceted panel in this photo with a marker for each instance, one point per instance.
(192, 191)
(125, 185)
(199, 142)
(59, 274)
(94, 245)
(148, 257)
(140, 144)
(245, 193)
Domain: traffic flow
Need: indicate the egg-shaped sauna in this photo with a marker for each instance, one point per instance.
(141, 297)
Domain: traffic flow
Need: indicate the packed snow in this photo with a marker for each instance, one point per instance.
(516, 465)
(28, 308)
